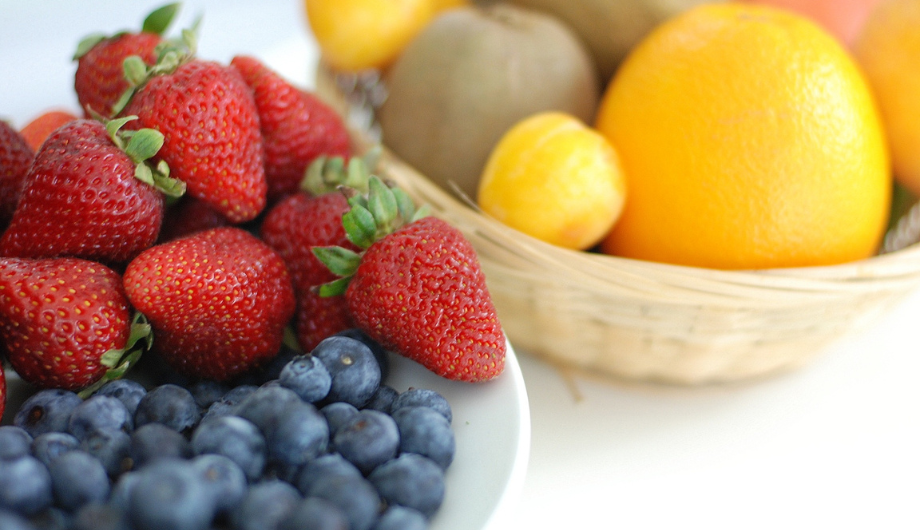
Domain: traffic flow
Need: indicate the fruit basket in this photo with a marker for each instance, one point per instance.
(635, 320)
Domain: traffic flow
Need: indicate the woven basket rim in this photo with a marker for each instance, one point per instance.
(502, 248)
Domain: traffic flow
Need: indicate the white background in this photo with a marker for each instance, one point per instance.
(835, 444)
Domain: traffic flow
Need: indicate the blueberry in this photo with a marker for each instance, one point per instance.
(99, 413)
(235, 438)
(297, 434)
(355, 496)
(353, 367)
(112, 449)
(338, 413)
(308, 377)
(264, 405)
(100, 516)
(223, 480)
(383, 399)
(273, 369)
(314, 513)
(398, 517)
(265, 505)
(127, 391)
(46, 411)
(76, 479)
(155, 440)
(367, 440)
(51, 518)
(14, 442)
(50, 445)
(25, 485)
(411, 480)
(383, 358)
(423, 397)
(425, 431)
(323, 467)
(169, 494)
(120, 496)
(228, 402)
(10, 520)
(206, 392)
(170, 405)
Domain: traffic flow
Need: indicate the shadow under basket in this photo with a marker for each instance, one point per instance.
(634, 320)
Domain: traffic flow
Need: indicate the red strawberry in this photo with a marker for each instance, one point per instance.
(84, 196)
(308, 219)
(43, 125)
(65, 322)
(100, 78)
(211, 127)
(188, 216)
(218, 301)
(417, 288)
(15, 158)
(297, 126)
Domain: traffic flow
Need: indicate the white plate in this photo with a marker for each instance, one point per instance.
(491, 422)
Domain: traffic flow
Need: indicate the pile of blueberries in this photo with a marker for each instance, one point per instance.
(315, 441)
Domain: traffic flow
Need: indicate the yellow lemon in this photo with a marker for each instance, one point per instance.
(362, 34)
(556, 179)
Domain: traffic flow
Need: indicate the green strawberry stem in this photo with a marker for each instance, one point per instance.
(171, 54)
(119, 361)
(160, 18)
(384, 209)
(156, 22)
(327, 174)
(141, 146)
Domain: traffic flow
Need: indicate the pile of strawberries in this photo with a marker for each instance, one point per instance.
(184, 214)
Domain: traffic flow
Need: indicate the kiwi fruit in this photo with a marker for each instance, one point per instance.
(469, 76)
(611, 28)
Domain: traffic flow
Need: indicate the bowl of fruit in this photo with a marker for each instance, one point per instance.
(679, 209)
(214, 315)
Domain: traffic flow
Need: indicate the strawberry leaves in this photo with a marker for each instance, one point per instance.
(120, 360)
(372, 217)
(140, 146)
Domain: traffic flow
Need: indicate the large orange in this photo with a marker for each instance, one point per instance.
(749, 139)
(889, 51)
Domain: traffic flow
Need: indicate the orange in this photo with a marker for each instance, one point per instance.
(750, 140)
(44, 124)
(889, 51)
(355, 35)
(556, 179)
(842, 18)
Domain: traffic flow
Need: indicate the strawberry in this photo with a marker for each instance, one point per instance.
(188, 216)
(90, 194)
(309, 218)
(211, 127)
(100, 78)
(218, 301)
(15, 158)
(66, 322)
(417, 287)
(297, 126)
(43, 125)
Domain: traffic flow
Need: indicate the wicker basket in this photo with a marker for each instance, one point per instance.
(638, 320)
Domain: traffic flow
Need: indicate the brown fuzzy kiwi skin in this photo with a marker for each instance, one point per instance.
(611, 28)
(472, 74)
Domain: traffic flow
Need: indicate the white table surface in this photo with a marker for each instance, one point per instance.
(833, 445)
